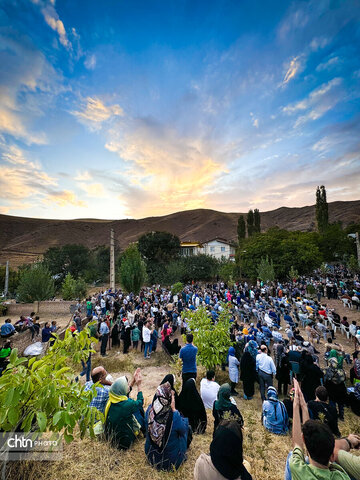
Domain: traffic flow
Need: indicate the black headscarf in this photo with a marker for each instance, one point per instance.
(192, 406)
(226, 450)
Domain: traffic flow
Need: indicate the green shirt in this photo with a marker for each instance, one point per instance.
(350, 463)
(300, 470)
(135, 335)
(5, 352)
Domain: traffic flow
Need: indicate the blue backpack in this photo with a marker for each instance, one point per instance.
(275, 417)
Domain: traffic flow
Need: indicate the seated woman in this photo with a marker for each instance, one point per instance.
(4, 355)
(224, 404)
(124, 417)
(192, 407)
(167, 436)
(226, 455)
(355, 372)
(274, 414)
(171, 379)
(354, 400)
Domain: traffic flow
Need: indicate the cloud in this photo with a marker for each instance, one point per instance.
(90, 62)
(52, 19)
(94, 112)
(327, 65)
(93, 190)
(63, 199)
(256, 122)
(294, 68)
(318, 43)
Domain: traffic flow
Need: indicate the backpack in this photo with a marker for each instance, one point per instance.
(276, 420)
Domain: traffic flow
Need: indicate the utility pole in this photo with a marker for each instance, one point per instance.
(112, 260)
(6, 287)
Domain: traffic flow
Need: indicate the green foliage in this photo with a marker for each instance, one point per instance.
(41, 394)
(286, 249)
(35, 284)
(14, 279)
(241, 229)
(334, 243)
(321, 209)
(226, 271)
(177, 288)
(174, 272)
(200, 268)
(266, 271)
(71, 258)
(353, 264)
(72, 289)
(158, 249)
(293, 273)
(212, 340)
(132, 270)
(250, 223)
(257, 226)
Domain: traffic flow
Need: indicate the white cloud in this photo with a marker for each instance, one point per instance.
(295, 67)
(318, 43)
(327, 65)
(256, 122)
(94, 112)
(90, 62)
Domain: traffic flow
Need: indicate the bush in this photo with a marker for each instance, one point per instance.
(177, 288)
(73, 289)
(35, 284)
(132, 270)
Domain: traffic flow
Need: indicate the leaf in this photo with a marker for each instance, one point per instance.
(57, 417)
(42, 420)
(9, 397)
(13, 416)
(13, 355)
(68, 438)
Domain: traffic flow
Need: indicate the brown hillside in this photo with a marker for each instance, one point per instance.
(25, 239)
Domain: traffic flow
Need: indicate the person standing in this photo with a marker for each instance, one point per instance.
(146, 335)
(266, 369)
(188, 356)
(104, 333)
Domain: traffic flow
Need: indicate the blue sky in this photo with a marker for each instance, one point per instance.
(119, 109)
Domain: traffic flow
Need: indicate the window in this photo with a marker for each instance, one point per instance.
(223, 249)
(212, 249)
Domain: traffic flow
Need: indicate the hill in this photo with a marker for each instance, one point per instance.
(24, 239)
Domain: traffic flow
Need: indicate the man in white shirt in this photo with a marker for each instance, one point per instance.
(209, 389)
(266, 369)
(146, 335)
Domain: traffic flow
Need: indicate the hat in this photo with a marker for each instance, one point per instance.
(306, 344)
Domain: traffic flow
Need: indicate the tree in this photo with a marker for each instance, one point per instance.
(132, 270)
(293, 274)
(241, 229)
(226, 271)
(72, 289)
(71, 258)
(80, 289)
(250, 223)
(177, 288)
(334, 243)
(321, 209)
(266, 271)
(158, 249)
(35, 284)
(257, 227)
(200, 268)
(353, 264)
(42, 394)
(212, 339)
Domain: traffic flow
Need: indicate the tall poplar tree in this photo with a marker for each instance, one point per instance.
(321, 209)
(241, 229)
(257, 227)
(250, 223)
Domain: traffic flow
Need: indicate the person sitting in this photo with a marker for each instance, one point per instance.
(46, 333)
(223, 404)
(209, 389)
(320, 406)
(98, 375)
(7, 329)
(274, 414)
(354, 399)
(226, 455)
(167, 435)
(171, 379)
(319, 442)
(192, 407)
(124, 417)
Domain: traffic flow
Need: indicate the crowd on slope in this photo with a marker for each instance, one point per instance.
(267, 344)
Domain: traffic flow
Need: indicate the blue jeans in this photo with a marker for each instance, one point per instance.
(287, 473)
(147, 349)
(86, 368)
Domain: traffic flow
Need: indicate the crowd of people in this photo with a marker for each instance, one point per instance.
(275, 332)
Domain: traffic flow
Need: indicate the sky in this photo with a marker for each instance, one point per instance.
(127, 109)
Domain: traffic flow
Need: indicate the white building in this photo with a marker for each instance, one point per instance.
(216, 247)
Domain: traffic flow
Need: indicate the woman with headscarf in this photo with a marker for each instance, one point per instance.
(167, 431)
(233, 370)
(335, 385)
(224, 404)
(248, 369)
(115, 341)
(226, 455)
(274, 414)
(170, 378)
(354, 399)
(192, 407)
(311, 376)
(126, 336)
(124, 417)
(355, 372)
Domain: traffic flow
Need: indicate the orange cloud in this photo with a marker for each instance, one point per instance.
(63, 199)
